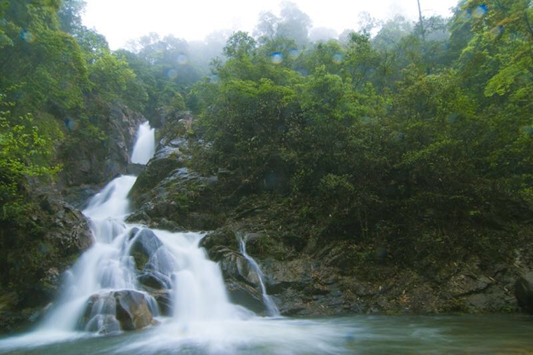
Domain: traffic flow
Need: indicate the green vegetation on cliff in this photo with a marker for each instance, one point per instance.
(420, 145)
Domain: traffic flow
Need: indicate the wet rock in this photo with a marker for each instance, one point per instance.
(154, 280)
(78, 196)
(94, 164)
(116, 310)
(155, 171)
(524, 292)
(134, 169)
(165, 224)
(32, 260)
(164, 301)
(162, 262)
(145, 245)
(103, 324)
(178, 198)
(245, 295)
(132, 310)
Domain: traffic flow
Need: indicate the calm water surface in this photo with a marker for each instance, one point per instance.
(490, 334)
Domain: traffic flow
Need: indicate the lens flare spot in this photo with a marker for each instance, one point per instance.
(182, 59)
(27, 36)
(71, 124)
(337, 58)
(528, 130)
(276, 58)
(480, 11)
(515, 36)
(452, 118)
(302, 71)
(398, 136)
(497, 31)
(172, 74)
(44, 248)
(466, 15)
(366, 120)
(294, 53)
(213, 78)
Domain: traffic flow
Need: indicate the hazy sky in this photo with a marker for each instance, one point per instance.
(121, 20)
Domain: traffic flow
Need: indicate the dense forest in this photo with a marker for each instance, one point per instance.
(408, 140)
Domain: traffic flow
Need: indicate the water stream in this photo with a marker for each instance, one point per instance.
(272, 309)
(144, 147)
(203, 319)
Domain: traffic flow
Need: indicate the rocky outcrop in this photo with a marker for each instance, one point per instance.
(91, 164)
(241, 280)
(331, 279)
(155, 267)
(524, 292)
(117, 310)
(181, 200)
(33, 257)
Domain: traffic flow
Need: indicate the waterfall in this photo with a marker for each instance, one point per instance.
(144, 147)
(269, 303)
(174, 260)
(203, 320)
(107, 265)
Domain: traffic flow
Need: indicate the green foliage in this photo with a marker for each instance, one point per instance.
(24, 152)
(387, 141)
(112, 79)
(418, 139)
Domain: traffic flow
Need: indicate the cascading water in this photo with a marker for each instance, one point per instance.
(202, 316)
(144, 147)
(174, 260)
(269, 303)
(107, 266)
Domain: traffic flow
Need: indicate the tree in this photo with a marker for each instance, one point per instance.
(294, 23)
(24, 152)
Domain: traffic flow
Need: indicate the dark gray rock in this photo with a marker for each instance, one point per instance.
(144, 246)
(524, 292)
(164, 301)
(94, 164)
(116, 310)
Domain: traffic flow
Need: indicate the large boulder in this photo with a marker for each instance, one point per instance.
(117, 310)
(152, 259)
(145, 244)
(164, 301)
(524, 292)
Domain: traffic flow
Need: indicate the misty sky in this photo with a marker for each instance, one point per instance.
(122, 20)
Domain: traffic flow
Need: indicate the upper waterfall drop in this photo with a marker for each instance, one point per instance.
(144, 147)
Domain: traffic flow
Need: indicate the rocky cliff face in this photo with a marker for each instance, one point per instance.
(331, 279)
(87, 166)
(33, 257)
(307, 274)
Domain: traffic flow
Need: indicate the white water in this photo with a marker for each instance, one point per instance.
(144, 147)
(203, 317)
(269, 303)
(198, 287)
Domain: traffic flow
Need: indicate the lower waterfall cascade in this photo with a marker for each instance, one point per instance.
(106, 274)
